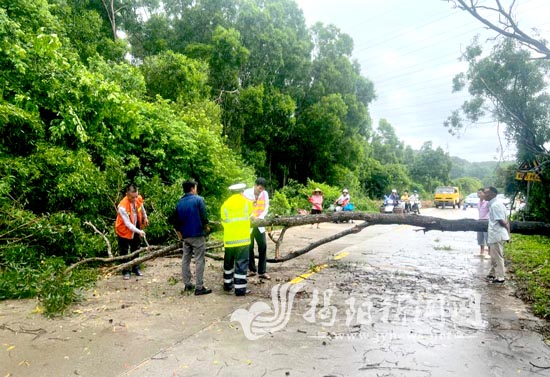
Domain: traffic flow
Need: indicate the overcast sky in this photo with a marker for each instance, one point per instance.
(410, 50)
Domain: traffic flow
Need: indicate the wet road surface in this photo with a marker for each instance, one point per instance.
(389, 301)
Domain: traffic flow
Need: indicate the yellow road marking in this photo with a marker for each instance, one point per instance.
(341, 255)
(318, 268)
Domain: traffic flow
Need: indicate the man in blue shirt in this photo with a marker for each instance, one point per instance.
(191, 224)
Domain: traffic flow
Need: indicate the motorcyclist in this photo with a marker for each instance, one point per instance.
(415, 200)
(394, 197)
(405, 199)
(342, 200)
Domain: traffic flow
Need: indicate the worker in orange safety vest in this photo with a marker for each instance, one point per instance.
(130, 221)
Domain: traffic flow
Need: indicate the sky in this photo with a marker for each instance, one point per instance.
(410, 50)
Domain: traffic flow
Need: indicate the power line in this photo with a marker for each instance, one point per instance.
(401, 33)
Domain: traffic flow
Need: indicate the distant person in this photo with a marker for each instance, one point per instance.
(414, 202)
(394, 197)
(235, 216)
(343, 200)
(192, 225)
(498, 233)
(260, 198)
(483, 214)
(405, 199)
(316, 200)
(130, 220)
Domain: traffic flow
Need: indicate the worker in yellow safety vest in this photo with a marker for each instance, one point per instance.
(235, 215)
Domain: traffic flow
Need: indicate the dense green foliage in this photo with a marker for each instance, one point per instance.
(294, 197)
(218, 91)
(529, 256)
(74, 134)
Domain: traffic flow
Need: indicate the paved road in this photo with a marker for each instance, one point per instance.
(390, 301)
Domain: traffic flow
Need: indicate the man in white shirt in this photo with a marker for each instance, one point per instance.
(260, 198)
(498, 232)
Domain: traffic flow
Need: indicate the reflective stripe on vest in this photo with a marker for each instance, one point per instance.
(259, 205)
(234, 242)
(235, 220)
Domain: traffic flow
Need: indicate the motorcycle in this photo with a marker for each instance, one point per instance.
(387, 206)
(415, 206)
(338, 208)
(390, 206)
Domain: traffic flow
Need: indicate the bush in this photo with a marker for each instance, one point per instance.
(57, 290)
(160, 202)
(529, 257)
(279, 205)
(25, 275)
(294, 196)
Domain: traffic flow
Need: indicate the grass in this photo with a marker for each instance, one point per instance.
(529, 258)
(313, 267)
(443, 247)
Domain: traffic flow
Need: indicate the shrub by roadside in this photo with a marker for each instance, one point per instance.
(529, 257)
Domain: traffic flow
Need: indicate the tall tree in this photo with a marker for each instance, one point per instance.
(334, 78)
(509, 86)
(431, 167)
(387, 148)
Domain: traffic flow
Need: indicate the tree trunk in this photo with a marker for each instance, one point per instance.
(426, 222)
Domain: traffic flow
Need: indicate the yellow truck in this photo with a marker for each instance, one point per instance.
(447, 195)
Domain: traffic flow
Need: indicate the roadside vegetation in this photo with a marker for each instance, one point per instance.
(221, 92)
(529, 258)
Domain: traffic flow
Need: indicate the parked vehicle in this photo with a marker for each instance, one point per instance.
(471, 200)
(447, 195)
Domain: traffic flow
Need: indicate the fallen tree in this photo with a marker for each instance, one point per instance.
(424, 223)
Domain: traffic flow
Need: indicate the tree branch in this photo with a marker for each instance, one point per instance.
(152, 252)
(109, 252)
(509, 24)
(278, 242)
(316, 244)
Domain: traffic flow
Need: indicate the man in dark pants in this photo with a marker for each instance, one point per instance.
(235, 215)
(192, 226)
(260, 198)
(131, 218)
